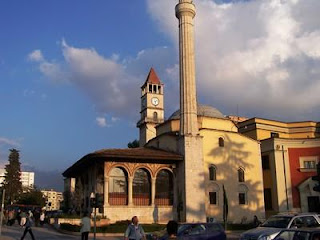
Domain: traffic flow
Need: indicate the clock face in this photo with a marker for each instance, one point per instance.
(155, 101)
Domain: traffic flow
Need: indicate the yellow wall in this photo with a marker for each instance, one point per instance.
(239, 151)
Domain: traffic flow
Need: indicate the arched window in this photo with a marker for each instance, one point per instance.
(118, 187)
(155, 116)
(221, 142)
(212, 173)
(164, 188)
(240, 175)
(141, 187)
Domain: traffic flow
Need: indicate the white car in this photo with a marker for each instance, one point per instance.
(270, 228)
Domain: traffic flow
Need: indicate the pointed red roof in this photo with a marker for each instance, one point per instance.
(152, 77)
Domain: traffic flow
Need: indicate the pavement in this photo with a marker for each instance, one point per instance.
(49, 233)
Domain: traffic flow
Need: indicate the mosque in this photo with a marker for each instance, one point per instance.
(184, 162)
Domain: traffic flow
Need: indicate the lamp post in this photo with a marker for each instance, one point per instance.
(94, 205)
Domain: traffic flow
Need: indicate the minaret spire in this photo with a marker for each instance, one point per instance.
(185, 12)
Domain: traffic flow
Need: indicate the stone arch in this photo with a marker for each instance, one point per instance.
(141, 187)
(164, 187)
(120, 165)
(118, 186)
(143, 166)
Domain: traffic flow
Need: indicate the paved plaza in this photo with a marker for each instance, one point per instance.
(42, 233)
(49, 233)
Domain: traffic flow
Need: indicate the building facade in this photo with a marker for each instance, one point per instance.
(27, 178)
(53, 199)
(290, 153)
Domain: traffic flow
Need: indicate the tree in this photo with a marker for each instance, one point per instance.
(133, 144)
(12, 183)
(32, 197)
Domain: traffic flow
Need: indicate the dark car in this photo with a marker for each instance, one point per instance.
(201, 231)
(299, 234)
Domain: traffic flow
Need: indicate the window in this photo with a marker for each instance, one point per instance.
(240, 175)
(150, 88)
(274, 135)
(159, 89)
(154, 88)
(265, 162)
(267, 199)
(242, 198)
(221, 142)
(309, 164)
(213, 198)
(212, 173)
(155, 116)
(141, 187)
(118, 187)
(164, 188)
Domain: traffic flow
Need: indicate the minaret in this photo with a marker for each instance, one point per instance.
(191, 185)
(185, 12)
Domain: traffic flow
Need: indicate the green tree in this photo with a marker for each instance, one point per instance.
(133, 144)
(12, 182)
(32, 197)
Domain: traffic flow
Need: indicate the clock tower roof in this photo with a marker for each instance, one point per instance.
(152, 78)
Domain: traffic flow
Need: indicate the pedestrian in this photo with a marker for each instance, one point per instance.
(23, 219)
(256, 221)
(28, 228)
(134, 230)
(42, 218)
(85, 226)
(36, 217)
(172, 229)
(18, 216)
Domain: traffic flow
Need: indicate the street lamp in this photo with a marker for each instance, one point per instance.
(94, 205)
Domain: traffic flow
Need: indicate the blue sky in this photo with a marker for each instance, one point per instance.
(70, 71)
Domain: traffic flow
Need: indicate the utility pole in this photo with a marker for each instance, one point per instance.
(2, 210)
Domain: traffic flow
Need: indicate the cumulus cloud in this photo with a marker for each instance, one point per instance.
(261, 54)
(9, 142)
(111, 83)
(101, 121)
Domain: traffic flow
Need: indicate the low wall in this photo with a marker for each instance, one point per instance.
(146, 214)
(77, 221)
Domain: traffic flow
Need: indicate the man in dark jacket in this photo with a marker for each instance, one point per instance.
(28, 226)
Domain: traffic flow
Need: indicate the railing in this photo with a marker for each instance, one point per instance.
(141, 199)
(118, 198)
(163, 201)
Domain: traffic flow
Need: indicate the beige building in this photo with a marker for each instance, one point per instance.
(290, 152)
(53, 199)
(183, 163)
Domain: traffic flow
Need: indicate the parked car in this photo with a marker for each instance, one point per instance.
(188, 231)
(270, 228)
(299, 234)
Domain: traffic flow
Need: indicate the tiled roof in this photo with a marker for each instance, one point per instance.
(128, 154)
(152, 77)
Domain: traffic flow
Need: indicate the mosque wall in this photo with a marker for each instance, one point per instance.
(238, 153)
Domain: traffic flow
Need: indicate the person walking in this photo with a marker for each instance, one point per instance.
(23, 216)
(172, 229)
(134, 230)
(28, 228)
(85, 226)
(42, 218)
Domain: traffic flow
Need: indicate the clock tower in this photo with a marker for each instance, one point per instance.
(152, 107)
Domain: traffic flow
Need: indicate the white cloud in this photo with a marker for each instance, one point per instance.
(101, 121)
(36, 56)
(9, 142)
(114, 119)
(262, 54)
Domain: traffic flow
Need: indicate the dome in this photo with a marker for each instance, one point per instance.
(203, 111)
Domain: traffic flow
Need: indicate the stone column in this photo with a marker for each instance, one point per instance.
(185, 12)
(106, 191)
(130, 184)
(153, 190)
